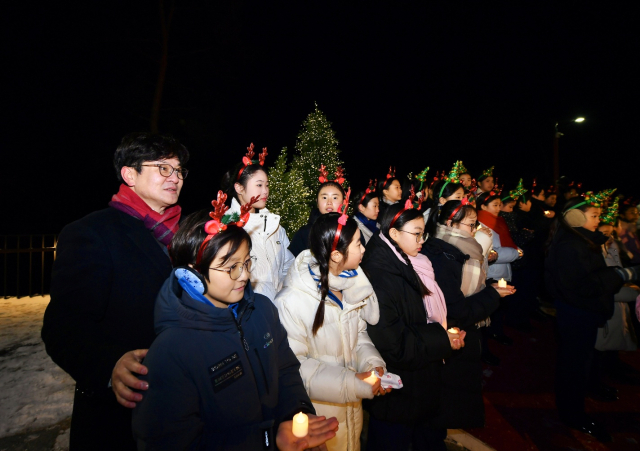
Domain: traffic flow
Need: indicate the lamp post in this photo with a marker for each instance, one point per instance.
(556, 153)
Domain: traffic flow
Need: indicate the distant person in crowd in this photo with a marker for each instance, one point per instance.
(389, 191)
(325, 305)
(583, 288)
(367, 209)
(628, 230)
(442, 192)
(485, 182)
(109, 268)
(329, 198)
(221, 373)
(241, 183)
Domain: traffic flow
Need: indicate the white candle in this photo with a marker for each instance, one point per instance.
(300, 425)
(502, 283)
(372, 379)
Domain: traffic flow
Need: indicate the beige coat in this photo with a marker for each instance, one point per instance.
(341, 348)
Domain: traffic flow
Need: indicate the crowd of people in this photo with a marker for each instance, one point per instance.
(213, 331)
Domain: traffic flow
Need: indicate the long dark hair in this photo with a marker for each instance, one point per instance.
(186, 243)
(385, 226)
(560, 223)
(230, 178)
(321, 237)
(486, 198)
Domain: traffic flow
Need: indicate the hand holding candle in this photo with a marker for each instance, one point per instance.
(502, 283)
(300, 425)
(372, 378)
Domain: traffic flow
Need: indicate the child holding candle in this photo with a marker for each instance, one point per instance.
(221, 374)
(411, 334)
(460, 269)
(324, 304)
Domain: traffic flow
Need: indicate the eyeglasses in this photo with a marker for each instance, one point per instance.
(419, 235)
(236, 269)
(473, 225)
(166, 170)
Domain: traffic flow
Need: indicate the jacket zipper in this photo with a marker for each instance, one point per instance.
(265, 223)
(264, 375)
(239, 326)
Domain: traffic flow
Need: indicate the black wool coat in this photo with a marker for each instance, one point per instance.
(300, 241)
(107, 274)
(411, 347)
(461, 394)
(578, 275)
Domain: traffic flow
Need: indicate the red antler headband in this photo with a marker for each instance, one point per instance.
(220, 221)
(390, 175)
(370, 189)
(408, 205)
(339, 175)
(342, 220)
(247, 159)
(463, 202)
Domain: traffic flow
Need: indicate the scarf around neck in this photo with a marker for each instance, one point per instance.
(336, 283)
(474, 270)
(434, 303)
(370, 224)
(498, 225)
(162, 226)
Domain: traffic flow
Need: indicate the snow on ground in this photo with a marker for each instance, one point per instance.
(34, 391)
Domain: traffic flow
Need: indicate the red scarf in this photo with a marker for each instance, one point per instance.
(163, 226)
(498, 225)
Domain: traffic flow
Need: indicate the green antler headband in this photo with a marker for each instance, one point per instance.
(595, 200)
(453, 177)
(422, 177)
(610, 213)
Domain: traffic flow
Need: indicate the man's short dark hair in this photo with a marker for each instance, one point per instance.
(136, 148)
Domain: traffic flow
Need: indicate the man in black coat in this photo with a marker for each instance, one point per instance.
(109, 268)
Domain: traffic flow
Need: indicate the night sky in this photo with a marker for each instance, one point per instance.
(410, 86)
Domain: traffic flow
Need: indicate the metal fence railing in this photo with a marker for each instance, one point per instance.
(26, 262)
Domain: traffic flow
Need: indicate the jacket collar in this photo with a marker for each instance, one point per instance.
(380, 255)
(263, 222)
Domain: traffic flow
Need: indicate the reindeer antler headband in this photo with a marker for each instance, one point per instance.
(247, 159)
(391, 174)
(342, 220)
(463, 202)
(220, 220)
(338, 174)
(370, 189)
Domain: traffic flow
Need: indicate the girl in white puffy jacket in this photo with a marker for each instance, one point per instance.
(325, 306)
(269, 239)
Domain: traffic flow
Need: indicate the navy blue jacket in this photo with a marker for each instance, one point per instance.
(217, 382)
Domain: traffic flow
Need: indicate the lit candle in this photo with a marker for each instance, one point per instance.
(547, 212)
(372, 379)
(454, 330)
(502, 283)
(300, 425)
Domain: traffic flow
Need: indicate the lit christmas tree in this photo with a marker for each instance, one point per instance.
(288, 195)
(316, 145)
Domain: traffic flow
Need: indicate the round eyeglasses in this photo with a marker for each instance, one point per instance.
(419, 235)
(166, 170)
(235, 271)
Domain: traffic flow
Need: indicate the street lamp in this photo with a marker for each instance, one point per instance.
(556, 154)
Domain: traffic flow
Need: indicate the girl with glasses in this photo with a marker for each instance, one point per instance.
(460, 269)
(324, 304)
(221, 374)
(411, 334)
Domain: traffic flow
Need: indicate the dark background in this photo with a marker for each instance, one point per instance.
(410, 86)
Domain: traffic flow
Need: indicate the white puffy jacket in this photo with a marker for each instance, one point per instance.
(270, 245)
(340, 349)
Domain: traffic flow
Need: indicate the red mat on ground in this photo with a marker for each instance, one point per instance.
(519, 399)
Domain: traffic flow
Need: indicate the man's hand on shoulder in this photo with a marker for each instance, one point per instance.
(123, 379)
